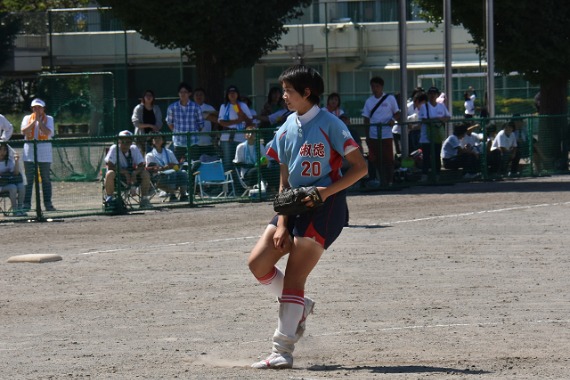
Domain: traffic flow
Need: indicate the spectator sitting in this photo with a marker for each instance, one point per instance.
(472, 141)
(11, 179)
(523, 147)
(163, 165)
(131, 167)
(250, 162)
(454, 156)
(207, 141)
(503, 149)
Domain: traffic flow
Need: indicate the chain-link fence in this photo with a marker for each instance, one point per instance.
(78, 170)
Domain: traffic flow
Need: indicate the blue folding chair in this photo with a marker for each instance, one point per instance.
(211, 181)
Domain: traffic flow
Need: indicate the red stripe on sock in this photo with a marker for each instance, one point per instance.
(266, 279)
(293, 296)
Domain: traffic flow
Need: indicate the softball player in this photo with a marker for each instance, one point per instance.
(309, 147)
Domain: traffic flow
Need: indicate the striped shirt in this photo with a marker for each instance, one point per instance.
(184, 119)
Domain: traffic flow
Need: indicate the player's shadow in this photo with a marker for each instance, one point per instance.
(397, 369)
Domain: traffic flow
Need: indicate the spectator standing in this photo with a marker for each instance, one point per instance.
(147, 119)
(334, 106)
(38, 126)
(185, 116)
(6, 128)
(469, 104)
(414, 129)
(433, 115)
(273, 105)
(233, 115)
(206, 140)
(380, 113)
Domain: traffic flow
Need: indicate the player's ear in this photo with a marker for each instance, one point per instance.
(307, 92)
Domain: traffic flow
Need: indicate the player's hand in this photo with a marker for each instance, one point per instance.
(309, 201)
(281, 239)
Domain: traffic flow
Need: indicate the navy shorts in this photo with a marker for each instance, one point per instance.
(324, 224)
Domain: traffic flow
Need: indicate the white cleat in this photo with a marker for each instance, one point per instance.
(275, 361)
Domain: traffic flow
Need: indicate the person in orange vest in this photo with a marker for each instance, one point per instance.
(38, 127)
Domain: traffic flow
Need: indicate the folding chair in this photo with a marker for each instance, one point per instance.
(130, 196)
(210, 178)
(246, 188)
(5, 208)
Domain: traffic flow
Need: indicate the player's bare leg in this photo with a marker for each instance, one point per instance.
(305, 254)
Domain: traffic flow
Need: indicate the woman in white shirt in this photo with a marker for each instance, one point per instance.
(38, 127)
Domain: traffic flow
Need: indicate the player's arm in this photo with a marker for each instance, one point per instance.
(357, 170)
(281, 239)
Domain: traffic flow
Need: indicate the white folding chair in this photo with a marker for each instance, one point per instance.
(210, 177)
(245, 187)
(5, 208)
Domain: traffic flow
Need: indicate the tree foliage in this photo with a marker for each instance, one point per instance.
(9, 27)
(218, 36)
(39, 5)
(531, 37)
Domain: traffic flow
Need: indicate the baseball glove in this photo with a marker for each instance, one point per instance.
(290, 201)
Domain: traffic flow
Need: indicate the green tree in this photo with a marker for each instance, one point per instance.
(17, 16)
(533, 39)
(39, 5)
(219, 36)
(9, 27)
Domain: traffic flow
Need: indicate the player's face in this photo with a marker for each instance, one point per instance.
(294, 100)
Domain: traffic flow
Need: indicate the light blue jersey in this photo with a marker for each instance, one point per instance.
(313, 152)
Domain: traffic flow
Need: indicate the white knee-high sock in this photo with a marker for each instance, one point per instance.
(273, 281)
(292, 303)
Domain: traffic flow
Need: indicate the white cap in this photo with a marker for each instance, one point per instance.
(125, 133)
(38, 102)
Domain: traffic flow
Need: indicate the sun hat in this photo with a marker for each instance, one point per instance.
(38, 102)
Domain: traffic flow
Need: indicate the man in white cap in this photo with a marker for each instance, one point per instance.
(39, 128)
(6, 128)
(131, 167)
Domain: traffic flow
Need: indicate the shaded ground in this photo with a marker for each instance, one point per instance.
(465, 281)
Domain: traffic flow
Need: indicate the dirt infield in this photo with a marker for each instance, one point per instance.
(465, 281)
